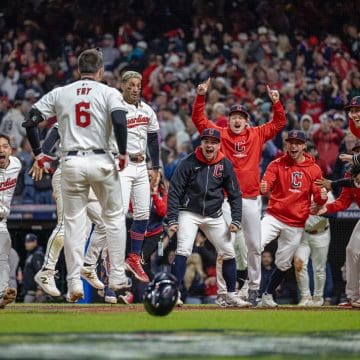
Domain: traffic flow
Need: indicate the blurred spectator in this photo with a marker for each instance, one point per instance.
(11, 124)
(327, 140)
(267, 268)
(33, 263)
(26, 157)
(312, 104)
(194, 280)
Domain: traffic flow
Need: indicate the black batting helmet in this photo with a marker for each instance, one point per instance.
(161, 294)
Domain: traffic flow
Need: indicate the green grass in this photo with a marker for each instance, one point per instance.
(40, 320)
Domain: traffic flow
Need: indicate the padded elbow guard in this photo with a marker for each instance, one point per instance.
(33, 118)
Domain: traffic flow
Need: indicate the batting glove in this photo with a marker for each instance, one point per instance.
(123, 161)
(44, 161)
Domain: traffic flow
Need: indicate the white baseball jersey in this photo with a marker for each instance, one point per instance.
(8, 179)
(83, 111)
(141, 119)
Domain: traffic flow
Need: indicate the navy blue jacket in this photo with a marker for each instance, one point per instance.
(199, 187)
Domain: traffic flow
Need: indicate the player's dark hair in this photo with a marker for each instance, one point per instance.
(6, 137)
(90, 61)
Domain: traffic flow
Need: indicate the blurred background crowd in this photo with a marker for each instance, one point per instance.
(308, 50)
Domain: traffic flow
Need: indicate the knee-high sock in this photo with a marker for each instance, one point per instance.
(229, 274)
(179, 267)
(137, 233)
(275, 279)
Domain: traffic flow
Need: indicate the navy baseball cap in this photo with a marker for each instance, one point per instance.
(30, 237)
(296, 135)
(239, 108)
(210, 132)
(354, 102)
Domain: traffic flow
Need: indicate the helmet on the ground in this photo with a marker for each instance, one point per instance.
(161, 294)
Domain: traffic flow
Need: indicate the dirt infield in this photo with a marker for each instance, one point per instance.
(138, 308)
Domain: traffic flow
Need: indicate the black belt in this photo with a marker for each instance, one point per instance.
(95, 151)
(314, 232)
(137, 158)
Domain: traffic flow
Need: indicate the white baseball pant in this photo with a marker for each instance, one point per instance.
(353, 265)
(316, 246)
(288, 242)
(5, 247)
(215, 229)
(135, 185)
(251, 225)
(98, 236)
(239, 247)
(99, 171)
(56, 240)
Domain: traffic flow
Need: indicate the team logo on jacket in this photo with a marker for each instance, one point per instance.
(218, 170)
(296, 177)
(240, 149)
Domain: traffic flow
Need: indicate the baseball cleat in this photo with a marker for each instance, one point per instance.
(221, 300)
(345, 305)
(126, 297)
(45, 278)
(127, 284)
(75, 292)
(179, 302)
(233, 300)
(253, 297)
(318, 301)
(89, 274)
(110, 296)
(133, 264)
(267, 301)
(306, 301)
(8, 297)
(355, 303)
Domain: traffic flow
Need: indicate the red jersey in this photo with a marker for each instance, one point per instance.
(347, 196)
(354, 129)
(292, 186)
(243, 150)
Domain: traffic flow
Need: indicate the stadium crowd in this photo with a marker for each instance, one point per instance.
(308, 51)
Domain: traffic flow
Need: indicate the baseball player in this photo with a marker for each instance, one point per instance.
(87, 112)
(10, 167)
(243, 145)
(290, 181)
(195, 200)
(45, 278)
(347, 196)
(143, 130)
(315, 243)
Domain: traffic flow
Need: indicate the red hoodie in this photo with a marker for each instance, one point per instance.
(292, 185)
(243, 150)
(347, 196)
